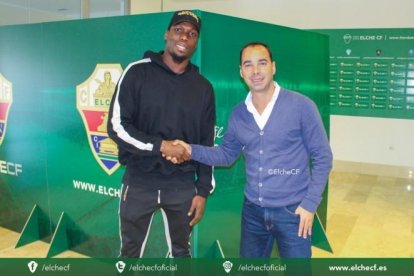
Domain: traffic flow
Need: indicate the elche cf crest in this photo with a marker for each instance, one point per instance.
(6, 99)
(93, 98)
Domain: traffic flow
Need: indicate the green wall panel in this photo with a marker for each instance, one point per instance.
(24, 141)
(47, 136)
(71, 59)
(301, 64)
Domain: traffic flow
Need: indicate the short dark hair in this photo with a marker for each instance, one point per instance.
(253, 44)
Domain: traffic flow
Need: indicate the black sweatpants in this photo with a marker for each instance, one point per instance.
(137, 209)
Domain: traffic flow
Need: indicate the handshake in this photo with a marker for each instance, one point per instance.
(175, 151)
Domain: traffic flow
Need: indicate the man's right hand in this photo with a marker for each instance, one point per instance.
(174, 151)
(184, 144)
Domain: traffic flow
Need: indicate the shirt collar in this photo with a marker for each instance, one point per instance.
(249, 101)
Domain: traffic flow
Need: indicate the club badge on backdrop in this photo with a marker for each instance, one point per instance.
(93, 98)
(6, 99)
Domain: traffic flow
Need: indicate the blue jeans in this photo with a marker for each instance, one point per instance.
(262, 226)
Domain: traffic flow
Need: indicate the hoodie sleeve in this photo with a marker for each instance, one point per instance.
(121, 124)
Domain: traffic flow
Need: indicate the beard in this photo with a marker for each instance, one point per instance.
(178, 59)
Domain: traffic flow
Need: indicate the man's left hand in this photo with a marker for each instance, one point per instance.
(197, 206)
(306, 222)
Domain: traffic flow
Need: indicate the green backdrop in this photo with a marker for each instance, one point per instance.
(76, 199)
(372, 72)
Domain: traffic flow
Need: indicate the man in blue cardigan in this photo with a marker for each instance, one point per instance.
(288, 160)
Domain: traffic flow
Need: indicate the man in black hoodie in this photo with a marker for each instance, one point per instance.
(158, 99)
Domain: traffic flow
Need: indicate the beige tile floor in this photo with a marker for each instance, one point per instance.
(368, 216)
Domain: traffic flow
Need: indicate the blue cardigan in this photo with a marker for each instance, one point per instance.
(287, 162)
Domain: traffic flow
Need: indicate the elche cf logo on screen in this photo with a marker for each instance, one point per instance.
(6, 99)
(93, 98)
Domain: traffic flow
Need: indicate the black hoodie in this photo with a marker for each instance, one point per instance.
(151, 103)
